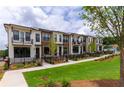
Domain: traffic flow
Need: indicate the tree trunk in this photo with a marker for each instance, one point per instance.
(122, 53)
(122, 67)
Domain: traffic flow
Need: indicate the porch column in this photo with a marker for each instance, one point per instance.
(62, 50)
(79, 50)
(40, 51)
(33, 51)
(10, 45)
(71, 50)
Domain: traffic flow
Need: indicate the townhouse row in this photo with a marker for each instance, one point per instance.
(28, 42)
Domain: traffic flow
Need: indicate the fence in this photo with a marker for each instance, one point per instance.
(20, 60)
(48, 59)
(56, 59)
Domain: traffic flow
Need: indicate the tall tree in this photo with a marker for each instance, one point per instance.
(107, 21)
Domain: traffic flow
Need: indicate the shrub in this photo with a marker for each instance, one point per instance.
(6, 66)
(13, 67)
(33, 61)
(49, 83)
(65, 83)
(38, 62)
(27, 65)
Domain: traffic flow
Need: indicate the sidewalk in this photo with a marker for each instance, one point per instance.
(14, 78)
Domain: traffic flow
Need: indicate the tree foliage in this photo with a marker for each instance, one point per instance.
(105, 21)
(109, 41)
(3, 53)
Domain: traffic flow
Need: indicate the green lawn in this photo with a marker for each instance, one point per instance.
(109, 69)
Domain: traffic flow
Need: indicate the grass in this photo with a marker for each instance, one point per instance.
(94, 70)
(1, 75)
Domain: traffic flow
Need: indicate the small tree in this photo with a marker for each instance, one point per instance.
(92, 46)
(52, 46)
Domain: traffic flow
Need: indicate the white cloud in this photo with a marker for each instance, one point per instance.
(56, 22)
(47, 9)
(56, 18)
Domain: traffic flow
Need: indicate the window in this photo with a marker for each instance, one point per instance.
(21, 52)
(100, 41)
(37, 52)
(97, 41)
(46, 50)
(55, 37)
(75, 49)
(37, 37)
(65, 51)
(27, 35)
(65, 39)
(16, 35)
(80, 40)
(84, 48)
(46, 37)
(84, 39)
(60, 38)
(100, 48)
(74, 40)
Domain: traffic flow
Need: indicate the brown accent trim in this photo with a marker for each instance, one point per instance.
(66, 45)
(45, 42)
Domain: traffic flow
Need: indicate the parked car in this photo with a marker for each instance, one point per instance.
(111, 48)
(6, 59)
(1, 58)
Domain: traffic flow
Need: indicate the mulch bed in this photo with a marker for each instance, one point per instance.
(95, 83)
(107, 59)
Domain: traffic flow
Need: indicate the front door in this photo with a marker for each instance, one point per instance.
(84, 48)
(60, 51)
(81, 50)
(37, 53)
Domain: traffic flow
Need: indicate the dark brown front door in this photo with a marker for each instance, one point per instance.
(37, 53)
(60, 51)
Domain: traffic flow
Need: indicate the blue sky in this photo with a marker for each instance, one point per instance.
(66, 19)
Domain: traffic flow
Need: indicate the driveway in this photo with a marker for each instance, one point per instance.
(14, 78)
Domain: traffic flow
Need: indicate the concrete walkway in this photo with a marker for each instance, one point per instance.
(14, 78)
